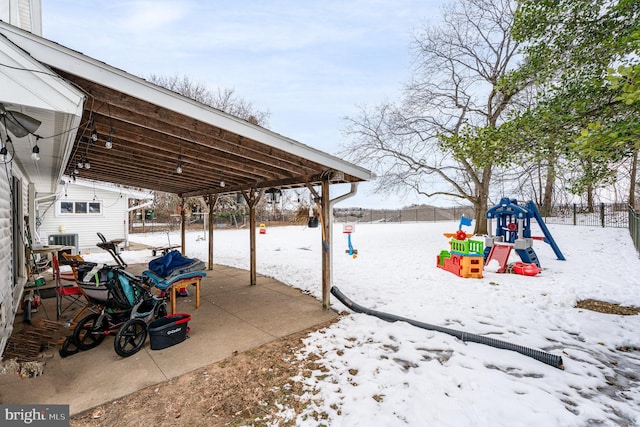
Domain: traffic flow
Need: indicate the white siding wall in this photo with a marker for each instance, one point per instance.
(10, 292)
(111, 222)
(6, 261)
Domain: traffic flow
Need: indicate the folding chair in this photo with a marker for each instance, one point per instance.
(72, 295)
(73, 261)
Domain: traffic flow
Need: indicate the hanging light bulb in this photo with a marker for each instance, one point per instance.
(87, 165)
(94, 135)
(108, 143)
(222, 183)
(35, 152)
(75, 172)
(179, 167)
(80, 164)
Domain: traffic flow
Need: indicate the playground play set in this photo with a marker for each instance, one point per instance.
(467, 257)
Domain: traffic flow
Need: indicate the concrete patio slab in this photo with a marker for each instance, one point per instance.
(233, 317)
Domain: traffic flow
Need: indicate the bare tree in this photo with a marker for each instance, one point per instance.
(223, 99)
(445, 137)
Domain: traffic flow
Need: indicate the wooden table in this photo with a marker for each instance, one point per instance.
(49, 250)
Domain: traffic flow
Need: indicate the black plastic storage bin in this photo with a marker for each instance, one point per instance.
(169, 330)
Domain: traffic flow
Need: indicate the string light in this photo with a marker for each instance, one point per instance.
(35, 152)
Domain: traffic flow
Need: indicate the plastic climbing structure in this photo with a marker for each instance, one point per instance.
(513, 232)
(465, 257)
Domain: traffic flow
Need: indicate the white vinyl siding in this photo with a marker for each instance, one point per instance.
(84, 211)
(6, 262)
(10, 290)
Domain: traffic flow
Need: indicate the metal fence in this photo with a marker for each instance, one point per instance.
(601, 215)
(634, 227)
(410, 214)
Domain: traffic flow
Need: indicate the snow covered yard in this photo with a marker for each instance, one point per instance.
(380, 373)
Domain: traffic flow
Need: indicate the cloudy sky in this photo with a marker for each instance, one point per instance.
(308, 63)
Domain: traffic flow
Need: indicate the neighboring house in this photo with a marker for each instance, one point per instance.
(81, 209)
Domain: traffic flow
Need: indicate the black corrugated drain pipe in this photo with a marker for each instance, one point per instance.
(541, 356)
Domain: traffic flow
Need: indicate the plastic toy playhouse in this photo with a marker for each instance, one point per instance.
(465, 257)
(513, 232)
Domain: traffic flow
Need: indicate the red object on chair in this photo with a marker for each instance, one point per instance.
(72, 294)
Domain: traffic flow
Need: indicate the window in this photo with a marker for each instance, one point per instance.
(66, 207)
(80, 208)
(95, 207)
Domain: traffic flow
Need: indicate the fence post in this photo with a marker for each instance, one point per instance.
(574, 214)
(602, 214)
(634, 227)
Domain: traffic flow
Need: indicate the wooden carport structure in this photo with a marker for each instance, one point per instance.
(151, 130)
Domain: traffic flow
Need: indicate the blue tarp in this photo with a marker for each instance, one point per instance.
(166, 264)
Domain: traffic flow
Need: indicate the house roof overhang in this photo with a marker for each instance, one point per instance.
(152, 129)
(29, 87)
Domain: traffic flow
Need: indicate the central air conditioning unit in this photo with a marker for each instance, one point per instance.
(70, 240)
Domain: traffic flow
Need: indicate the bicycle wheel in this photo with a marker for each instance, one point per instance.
(131, 337)
(90, 331)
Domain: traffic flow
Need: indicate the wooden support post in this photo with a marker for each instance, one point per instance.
(327, 248)
(252, 251)
(211, 203)
(324, 208)
(252, 197)
(182, 225)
